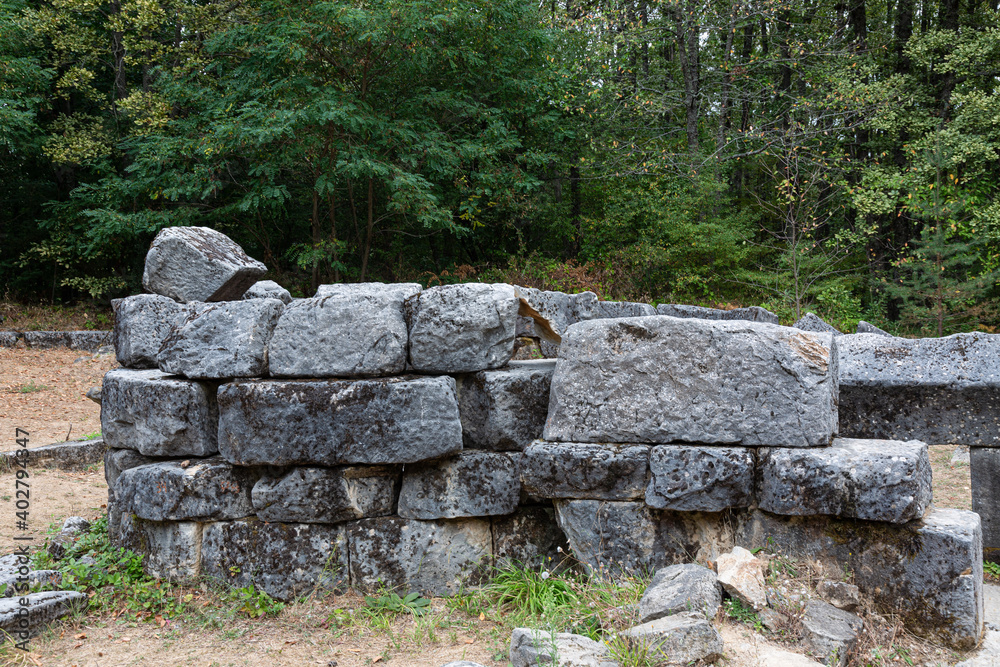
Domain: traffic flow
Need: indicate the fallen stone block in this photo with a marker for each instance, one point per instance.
(42, 609)
(877, 480)
(198, 264)
(142, 323)
(158, 415)
(682, 638)
(17, 584)
(199, 489)
(225, 340)
(663, 379)
(10, 338)
(471, 483)
(170, 549)
(73, 455)
(462, 328)
(680, 588)
(529, 538)
(586, 306)
(812, 322)
(985, 477)
(285, 560)
(751, 314)
(268, 289)
(530, 647)
(840, 594)
(336, 422)
(742, 576)
(869, 328)
(583, 470)
(700, 479)
(88, 341)
(434, 558)
(505, 409)
(401, 290)
(828, 632)
(327, 495)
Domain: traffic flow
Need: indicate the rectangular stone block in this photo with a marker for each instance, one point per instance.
(505, 409)
(984, 468)
(327, 495)
(170, 549)
(751, 314)
(529, 538)
(434, 558)
(403, 290)
(583, 470)
(194, 489)
(467, 484)
(695, 478)
(876, 480)
(285, 560)
(664, 380)
(158, 415)
(142, 322)
(336, 422)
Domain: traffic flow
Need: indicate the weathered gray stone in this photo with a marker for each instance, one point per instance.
(224, 340)
(681, 638)
(680, 588)
(268, 289)
(10, 338)
(812, 322)
(462, 328)
(530, 647)
(170, 549)
(959, 361)
(751, 314)
(142, 323)
(434, 558)
(877, 480)
(88, 341)
(742, 576)
(505, 409)
(158, 415)
(828, 632)
(199, 489)
(285, 560)
(700, 479)
(342, 335)
(840, 594)
(73, 455)
(335, 422)
(74, 525)
(663, 379)
(18, 584)
(584, 470)
(530, 537)
(985, 473)
(198, 264)
(471, 483)
(117, 461)
(869, 328)
(22, 622)
(401, 290)
(94, 394)
(327, 495)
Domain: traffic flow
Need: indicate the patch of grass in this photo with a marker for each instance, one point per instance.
(391, 602)
(629, 653)
(991, 570)
(45, 317)
(250, 602)
(91, 436)
(741, 613)
(31, 388)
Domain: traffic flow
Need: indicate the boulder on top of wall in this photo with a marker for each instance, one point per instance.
(198, 264)
(664, 379)
(223, 340)
(812, 322)
(471, 483)
(698, 478)
(348, 333)
(462, 328)
(587, 306)
(403, 290)
(505, 409)
(334, 422)
(327, 495)
(158, 415)
(585, 470)
(752, 314)
(268, 289)
(869, 328)
(142, 323)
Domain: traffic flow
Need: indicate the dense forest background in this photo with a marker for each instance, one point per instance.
(839, 156)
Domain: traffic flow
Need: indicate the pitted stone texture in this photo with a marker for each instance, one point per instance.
(158, 415)
(751, 314)
(828, 632)
(401, 290)
(682, 638)
(142, 323)
(42, 609)
(812, 322)
(285, 560)
(13, 585)
(584, 470)
(680, 588)
(468, 484)
(89, 341)
(840, 594)
(505, 409)
(336, 422)
(435, 558)
(960, 361)
(268, 289)
(225, 340)
(10, 338)
(116, 461)
(198, 264)
(327, 495)
(869, 328)
(700, 479)
(985, 473)
(462, 328)
(530, 647)
(530, 537)
(199, 489)
(877, 480)
(742, 576)
(73, 455)
(663, 379)
(170, 549)
(342, 335)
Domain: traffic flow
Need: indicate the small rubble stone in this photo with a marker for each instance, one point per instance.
(505, 409)
(530, 537)
(43, 608)
(828, 632)
(680, 588)
(681, 638)
(700, 479)
(158, 415)
(94, 394)
(751, 314)
(462, 328)
(773, 620)
(812, 322)
(840, 594)
(327, 495)
(225, 340)
(198, 264)
(207, 489)
(869, 328)
(74, 525)
(584, 470)
(170, 549)
(742, 576)
(777, 658)
(142, 323)
(530, 647)
(268, 289)
(471, 483)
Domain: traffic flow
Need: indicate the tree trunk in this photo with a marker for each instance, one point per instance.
(370, 227)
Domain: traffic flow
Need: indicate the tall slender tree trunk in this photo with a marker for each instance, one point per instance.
(369, 230)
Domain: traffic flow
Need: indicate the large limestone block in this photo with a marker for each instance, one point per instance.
(680, 639)
(360, 334)
(700, 479)
(170, 549)
(937, 390)
(468, 484)
(23, 621)
(663, 379)
(505, 409)
(335, 422)
(462, 328)
(402, 290)
(268, 289)
(158, 415)
(225, 340)
(116, 461)
(752, 314)
(877, 480)
(197, 489)
(985, 473)
(142, 323)
(530, 537)
(198, 264)
(435, 558)
(285, 560)
(327, 495)
(583, 470)
(530, 648)
(680, 588)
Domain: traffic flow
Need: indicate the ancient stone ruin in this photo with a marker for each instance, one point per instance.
(381, 435)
